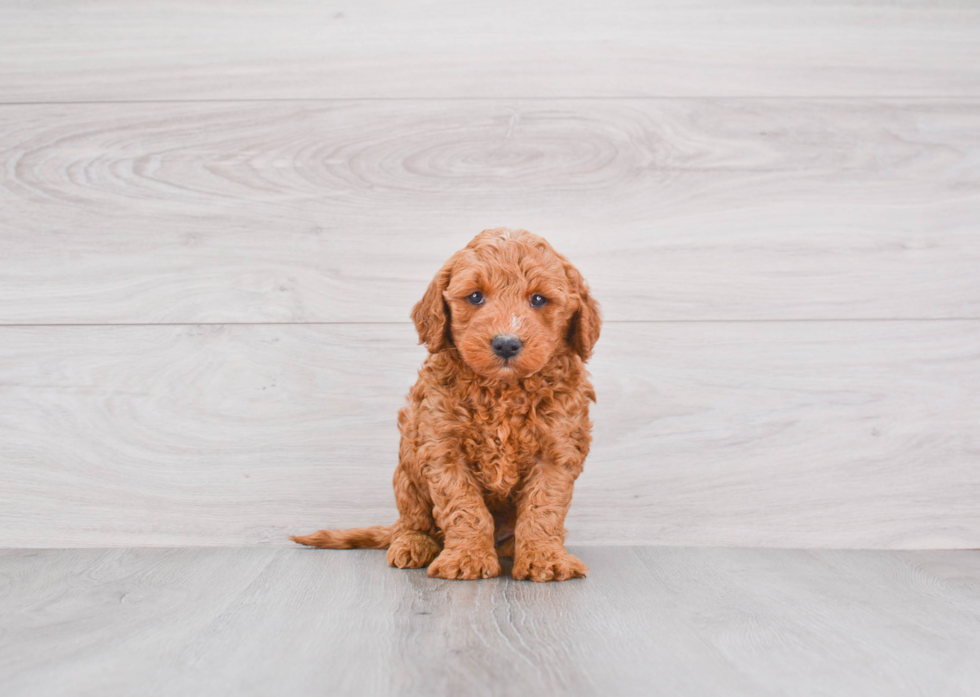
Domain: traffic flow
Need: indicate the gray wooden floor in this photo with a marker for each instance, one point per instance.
(647, 620)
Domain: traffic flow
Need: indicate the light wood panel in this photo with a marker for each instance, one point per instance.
(843, 434)
(645, 621)
(118, 50)
(320, 212)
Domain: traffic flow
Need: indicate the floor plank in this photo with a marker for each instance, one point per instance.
(114, 50)
(325, 212)
(809, 434)
(646, 621)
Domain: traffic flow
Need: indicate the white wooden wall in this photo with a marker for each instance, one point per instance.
(215, 217)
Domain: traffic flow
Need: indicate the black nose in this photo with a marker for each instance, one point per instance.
(506, 345)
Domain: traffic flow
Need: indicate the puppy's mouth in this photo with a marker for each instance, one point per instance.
(507, 368)
(512, 363)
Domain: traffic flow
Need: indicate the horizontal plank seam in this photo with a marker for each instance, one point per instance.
(239, 100)
(406, 323)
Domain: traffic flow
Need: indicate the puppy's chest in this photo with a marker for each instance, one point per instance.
(501, 443)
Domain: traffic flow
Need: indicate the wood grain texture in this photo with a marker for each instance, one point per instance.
(342, 211)
(313, 163)
(117, 50)
(807, 434)
(645, 621)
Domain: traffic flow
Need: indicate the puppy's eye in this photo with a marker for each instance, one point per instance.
(538, 300)
(475, 298)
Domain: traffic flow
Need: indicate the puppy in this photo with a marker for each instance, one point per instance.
(497, 427)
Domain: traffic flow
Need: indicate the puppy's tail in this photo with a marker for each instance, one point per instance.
(375, 537)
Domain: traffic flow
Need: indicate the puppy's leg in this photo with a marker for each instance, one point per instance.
(412, 547)
(467, 525)
(539, 536)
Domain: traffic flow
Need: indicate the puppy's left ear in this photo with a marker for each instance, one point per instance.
(431, 315)
(583, 328)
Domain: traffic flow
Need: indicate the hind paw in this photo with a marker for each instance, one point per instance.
(412, 550)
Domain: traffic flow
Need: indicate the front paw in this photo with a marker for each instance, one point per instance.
(465, 564)
(547, 565)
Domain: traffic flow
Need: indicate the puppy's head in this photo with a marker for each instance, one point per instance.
(508, 302)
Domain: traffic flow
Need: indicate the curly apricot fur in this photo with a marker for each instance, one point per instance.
(491, 447)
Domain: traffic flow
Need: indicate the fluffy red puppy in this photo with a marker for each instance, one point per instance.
(497, 427)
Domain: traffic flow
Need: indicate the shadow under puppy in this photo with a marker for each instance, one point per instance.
(497, 427)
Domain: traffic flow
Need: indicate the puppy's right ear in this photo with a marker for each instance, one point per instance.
(431, 314)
